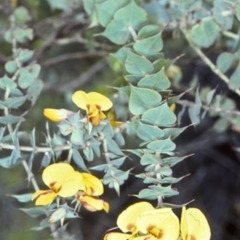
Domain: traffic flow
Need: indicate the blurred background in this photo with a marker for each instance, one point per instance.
(72, 58)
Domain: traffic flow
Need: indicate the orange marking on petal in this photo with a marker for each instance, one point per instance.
(44, 193)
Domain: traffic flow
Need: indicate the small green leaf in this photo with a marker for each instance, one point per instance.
(95, 145)
(88, 153)
(28, 75)
(5, 162)
(89, 5)
(10, 119)
(22, 16)
(237, 11)
(148, 31)
(148, 159)
(155, 192)
(137, 65)
(224, 61)
(171, 161)
(119, 29)
(77, 137)
(160, 64)
(7, 83)
(22, 35)
(149, 46)
(146, 132)
(235, 79)
(23, 197)
(142, 99)
(165, 146)
(34, 212)
(107, 9)
(15, 102)
(161, 116)
(205, 33)
(121, 54)
(224, 21)
(77, 158)
(119, 139)
(11, 67)
(173, 132)
(194, 111)
(116, 163)
(157, 81)
(24, 55)
(34, 91)
(46, 159)
(133, 79)
(113, 147)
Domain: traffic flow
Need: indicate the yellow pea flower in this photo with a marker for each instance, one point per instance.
(94, 103)
(146, 223)
(127, 222)
(90, 189)
(194, 225)
(161, 223)
(62, 180)
(56, 115)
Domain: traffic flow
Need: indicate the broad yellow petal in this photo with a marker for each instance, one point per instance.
(80, 98)
(194, 225)
(117, 236)
(71, 185)
(173, 107)
(99, 100)
(127, 219)
(44, 197)
(93, 204)
(161, 223)
(56, 115)
(93, 185)
(112, 119)
(62, 178)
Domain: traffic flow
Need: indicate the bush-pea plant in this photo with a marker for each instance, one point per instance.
(135, 32)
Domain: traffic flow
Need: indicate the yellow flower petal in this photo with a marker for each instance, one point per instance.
(93, 185)
(194, 225)
(127, 219)
(112, 119)
(80, 98)
(173, 107)
(117, 236)
(161, 223)
(44, 197)
(56, 115)
(93, 204)
(100, 100)
(63, 179)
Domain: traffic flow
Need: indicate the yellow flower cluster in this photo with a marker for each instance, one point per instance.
(141, 221)
(93, 103)
(64, 181)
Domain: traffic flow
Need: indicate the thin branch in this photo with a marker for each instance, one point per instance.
(208, 62)
(75, 83)
(208, 108)
(72, 56)
(35, 149)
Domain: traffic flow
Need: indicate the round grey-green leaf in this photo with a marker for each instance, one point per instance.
(142, 99)
(205, 33)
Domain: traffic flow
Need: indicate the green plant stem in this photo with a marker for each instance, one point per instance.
(105, 148)
(35, 149)
(208, 108)
(208, 62)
